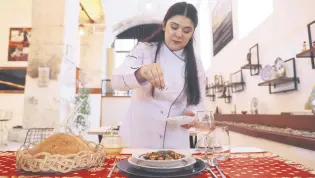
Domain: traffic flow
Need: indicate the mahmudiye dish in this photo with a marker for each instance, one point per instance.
(162, 161)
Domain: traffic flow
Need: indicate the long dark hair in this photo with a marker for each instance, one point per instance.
(191, 72)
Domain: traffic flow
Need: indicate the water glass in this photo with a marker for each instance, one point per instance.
(220, 143)
(204, 127)
(206, 123)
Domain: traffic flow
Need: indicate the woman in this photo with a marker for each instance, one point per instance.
(167, 80)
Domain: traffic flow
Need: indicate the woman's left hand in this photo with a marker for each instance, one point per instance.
(192, 114)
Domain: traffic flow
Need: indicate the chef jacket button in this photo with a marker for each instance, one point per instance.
(161, 136)
(161, 112)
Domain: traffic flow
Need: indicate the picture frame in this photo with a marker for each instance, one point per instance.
(19, 42)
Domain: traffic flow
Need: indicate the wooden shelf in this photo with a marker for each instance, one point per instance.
(225, 97)
(216, 86)
(306, 54)
(294, 140)
(298, 122)
(251, 66)
(116, 95)
(280, 80)
(254, 68)
(235, 84)
(212, 97)
(310, 52)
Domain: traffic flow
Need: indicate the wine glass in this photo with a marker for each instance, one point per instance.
(220, 143)
(204, 128)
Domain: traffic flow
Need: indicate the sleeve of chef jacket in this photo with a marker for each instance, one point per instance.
(202, 88)
(124, 77)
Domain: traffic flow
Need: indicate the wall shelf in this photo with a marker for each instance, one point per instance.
(210, 92)
(218, 83)
(217, 86)
(306, 54)
(254, 68)
(212, 97)
(278, 81)
(237, 85)
(237, 123)
(226, 93)
(283, 80)
(310, 53)
(227, 99)
(298, 141)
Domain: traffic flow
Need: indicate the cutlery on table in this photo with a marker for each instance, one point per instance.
(214, 163)
(212, 173)
(112, 170)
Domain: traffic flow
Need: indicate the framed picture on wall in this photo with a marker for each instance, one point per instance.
(222, 25)
(19, 42)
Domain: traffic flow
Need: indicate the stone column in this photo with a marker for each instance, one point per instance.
(110, 66)
(92, 55)
(50, 80)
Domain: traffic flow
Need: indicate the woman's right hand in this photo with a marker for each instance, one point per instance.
(152, 73)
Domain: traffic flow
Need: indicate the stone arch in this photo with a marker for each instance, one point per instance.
(134, 21)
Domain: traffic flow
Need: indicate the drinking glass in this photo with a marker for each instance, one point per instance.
(220, 143)
(112, 143)
(204, 128)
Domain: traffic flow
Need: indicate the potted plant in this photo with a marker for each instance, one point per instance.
(80, 120)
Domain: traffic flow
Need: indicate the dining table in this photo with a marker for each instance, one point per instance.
(244, 162)
(102, 131)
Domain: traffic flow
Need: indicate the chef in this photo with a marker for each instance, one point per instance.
(167, 81)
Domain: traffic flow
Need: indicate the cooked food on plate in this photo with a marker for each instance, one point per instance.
(163, 155)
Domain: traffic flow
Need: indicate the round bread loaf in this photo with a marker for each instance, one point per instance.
(63, 143)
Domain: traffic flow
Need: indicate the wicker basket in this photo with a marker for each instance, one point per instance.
(56, 163)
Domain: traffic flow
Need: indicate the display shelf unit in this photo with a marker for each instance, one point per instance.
(296, 122)
(282, 80)
(254, 68)
(310, 53)
(226, 95)
(237, 86)
(210, 92)
(218, 83)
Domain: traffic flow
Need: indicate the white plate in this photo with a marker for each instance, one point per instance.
(180, 120)
(162, 163)
(140, 164)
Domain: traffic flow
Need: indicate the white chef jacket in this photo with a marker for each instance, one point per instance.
(145, 123)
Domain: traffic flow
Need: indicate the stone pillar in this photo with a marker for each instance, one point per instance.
(110, 62)
(50, 80)
(110, 66)
(92, 47)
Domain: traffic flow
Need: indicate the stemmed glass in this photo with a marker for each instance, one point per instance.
(220, 143)
(204, 127)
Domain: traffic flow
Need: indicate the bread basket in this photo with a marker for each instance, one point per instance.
(27, 159)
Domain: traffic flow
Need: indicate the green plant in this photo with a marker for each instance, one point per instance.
(82, 100)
